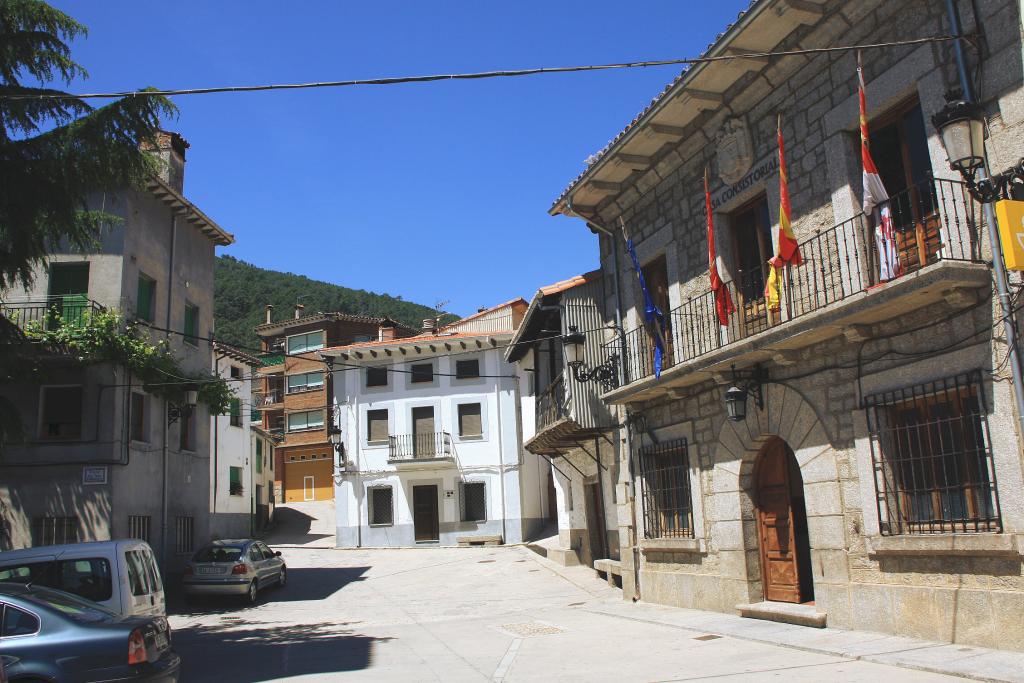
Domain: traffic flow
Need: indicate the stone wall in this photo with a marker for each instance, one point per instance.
(814, 399)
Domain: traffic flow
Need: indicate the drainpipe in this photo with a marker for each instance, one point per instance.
(631, 483)
(164, 454)
(216, 430)
(501, 460)
(999, 274)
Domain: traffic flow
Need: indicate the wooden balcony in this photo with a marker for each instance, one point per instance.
(838, 290)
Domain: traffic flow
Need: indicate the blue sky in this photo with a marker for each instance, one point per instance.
(429, 191)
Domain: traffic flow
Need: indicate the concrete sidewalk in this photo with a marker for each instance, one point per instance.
(976, 663)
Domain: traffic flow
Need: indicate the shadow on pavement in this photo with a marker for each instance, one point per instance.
(247, 651)
(304, 583)
(294, 527)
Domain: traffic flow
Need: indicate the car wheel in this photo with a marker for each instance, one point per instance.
(282, 577)
(250, 597)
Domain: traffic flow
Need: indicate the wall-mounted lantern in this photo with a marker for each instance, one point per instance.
(744, 383)
(606, 373)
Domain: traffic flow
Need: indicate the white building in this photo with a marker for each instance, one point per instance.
(233, 488)
(432, 438)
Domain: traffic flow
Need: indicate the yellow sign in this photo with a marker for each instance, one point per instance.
(1010, 216)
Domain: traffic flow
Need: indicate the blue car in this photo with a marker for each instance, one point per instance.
(50, 635)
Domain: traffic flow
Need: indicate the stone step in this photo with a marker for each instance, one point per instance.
(785, 612)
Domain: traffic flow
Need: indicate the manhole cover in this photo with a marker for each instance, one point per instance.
(707, 637)
(532, 628)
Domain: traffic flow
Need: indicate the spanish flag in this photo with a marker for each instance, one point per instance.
(788, 250)
(723, 302)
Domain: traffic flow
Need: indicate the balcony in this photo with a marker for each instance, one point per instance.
(837, 290)
(43, 314)
(265, 400)
(550, 404)
(428, 447)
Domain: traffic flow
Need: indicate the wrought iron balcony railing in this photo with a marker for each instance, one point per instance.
(935, 220)
(550, 404)
(419, 446)
(48, 313)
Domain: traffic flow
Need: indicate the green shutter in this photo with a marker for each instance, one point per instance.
(191, 324)
(235, 407)
(145, 299)
(236, 475)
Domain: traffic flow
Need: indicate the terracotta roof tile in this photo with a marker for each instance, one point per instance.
(575, 281)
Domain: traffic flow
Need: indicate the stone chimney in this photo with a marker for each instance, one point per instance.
(429, 325)
(270, 312)
(385, 332)
(298, 311)
(170, 149)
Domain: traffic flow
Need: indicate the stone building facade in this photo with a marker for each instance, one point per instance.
(876, 481)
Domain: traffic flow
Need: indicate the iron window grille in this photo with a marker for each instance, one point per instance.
(667, 503)
(54, 530)
(473, 501)
(184, 528)
(932, 458)
(138, 527)
(381, 506)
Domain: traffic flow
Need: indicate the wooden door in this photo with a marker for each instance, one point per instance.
(779, 569)
(424, 512)
(595, 522)
(423, 432)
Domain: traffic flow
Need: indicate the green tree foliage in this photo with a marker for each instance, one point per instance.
(57, 152)
(243, 290)
(105, 337)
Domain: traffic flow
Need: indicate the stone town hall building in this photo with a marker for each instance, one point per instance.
(878, 485)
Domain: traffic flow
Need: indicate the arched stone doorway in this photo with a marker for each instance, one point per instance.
(781, 515)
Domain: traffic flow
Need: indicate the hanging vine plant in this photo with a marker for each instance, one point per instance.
(106, 337)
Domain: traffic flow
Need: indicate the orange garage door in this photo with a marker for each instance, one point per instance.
(311, 478)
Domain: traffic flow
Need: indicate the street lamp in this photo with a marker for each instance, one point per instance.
(179, 409)
(961, 126)
(334, 438)
(605, 373)
(744, 384)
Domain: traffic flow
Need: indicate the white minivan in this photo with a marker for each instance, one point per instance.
(120, 575)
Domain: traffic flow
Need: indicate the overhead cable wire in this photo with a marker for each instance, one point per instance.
(478, 75)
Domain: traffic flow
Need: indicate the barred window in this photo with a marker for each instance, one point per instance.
(668, 509)
(183, 535)
(138, 527)
(932, 458)
(473, 500)
(54, 530)
(381, 507)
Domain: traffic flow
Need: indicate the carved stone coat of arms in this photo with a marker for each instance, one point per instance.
(735, 152)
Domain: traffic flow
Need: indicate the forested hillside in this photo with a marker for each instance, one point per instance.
(242, 290)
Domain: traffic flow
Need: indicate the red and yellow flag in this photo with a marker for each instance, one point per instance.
(723, 302)
(788, 250)
(876, 199)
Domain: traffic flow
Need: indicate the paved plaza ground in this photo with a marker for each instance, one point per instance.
(506, 614)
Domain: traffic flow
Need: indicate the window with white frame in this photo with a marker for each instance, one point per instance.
(306, 381)
(473, 501)
(381, 506)
(470, 421)
(310, 341)
(377, 426)
(305, 420)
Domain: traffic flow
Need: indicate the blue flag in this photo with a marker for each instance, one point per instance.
(652, 314)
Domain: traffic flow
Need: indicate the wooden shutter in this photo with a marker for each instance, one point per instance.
(376, 425)
(470, 423)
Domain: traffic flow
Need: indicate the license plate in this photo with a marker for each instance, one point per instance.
(161, 641)
(209, 570)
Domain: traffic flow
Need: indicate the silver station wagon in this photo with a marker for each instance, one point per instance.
(239, 567)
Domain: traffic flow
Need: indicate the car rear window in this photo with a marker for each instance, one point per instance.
(87, 577)
(70, 605)
(137, 572)
(218, 553)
